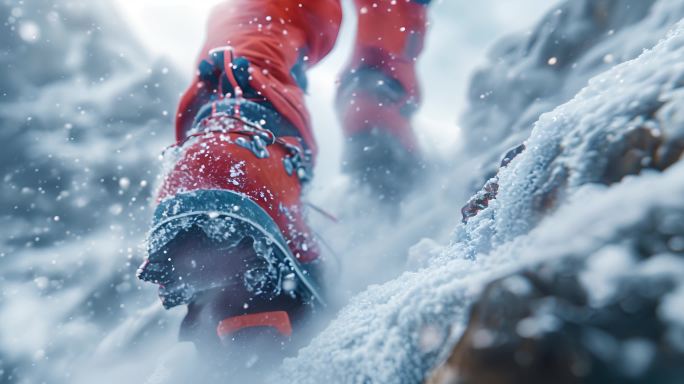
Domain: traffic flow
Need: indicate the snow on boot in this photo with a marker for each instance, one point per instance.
(229, 236)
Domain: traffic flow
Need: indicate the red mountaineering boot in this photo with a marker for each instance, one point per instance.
(229, 238)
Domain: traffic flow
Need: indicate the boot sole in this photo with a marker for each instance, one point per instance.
(219, 213)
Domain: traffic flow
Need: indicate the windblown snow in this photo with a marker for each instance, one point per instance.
(82, 134)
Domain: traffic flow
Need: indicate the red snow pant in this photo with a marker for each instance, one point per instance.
(281, 39)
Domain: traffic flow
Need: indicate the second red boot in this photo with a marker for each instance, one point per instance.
(381, 150)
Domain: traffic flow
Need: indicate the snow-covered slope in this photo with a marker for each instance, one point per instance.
(394, 332)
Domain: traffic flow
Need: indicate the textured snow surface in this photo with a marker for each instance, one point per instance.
(380, 337)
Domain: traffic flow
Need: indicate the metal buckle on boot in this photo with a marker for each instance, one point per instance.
(297, 162)
(256, 145)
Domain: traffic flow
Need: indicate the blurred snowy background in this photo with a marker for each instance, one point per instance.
(87, 94)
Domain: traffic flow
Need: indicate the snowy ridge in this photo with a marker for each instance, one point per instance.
(393, 332)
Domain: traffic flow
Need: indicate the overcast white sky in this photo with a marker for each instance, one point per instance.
(460, 33)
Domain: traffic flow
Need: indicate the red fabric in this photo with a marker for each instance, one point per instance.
(279, 320)
(213, 161)
(389, 39)
(271, 34)
(274, 34)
